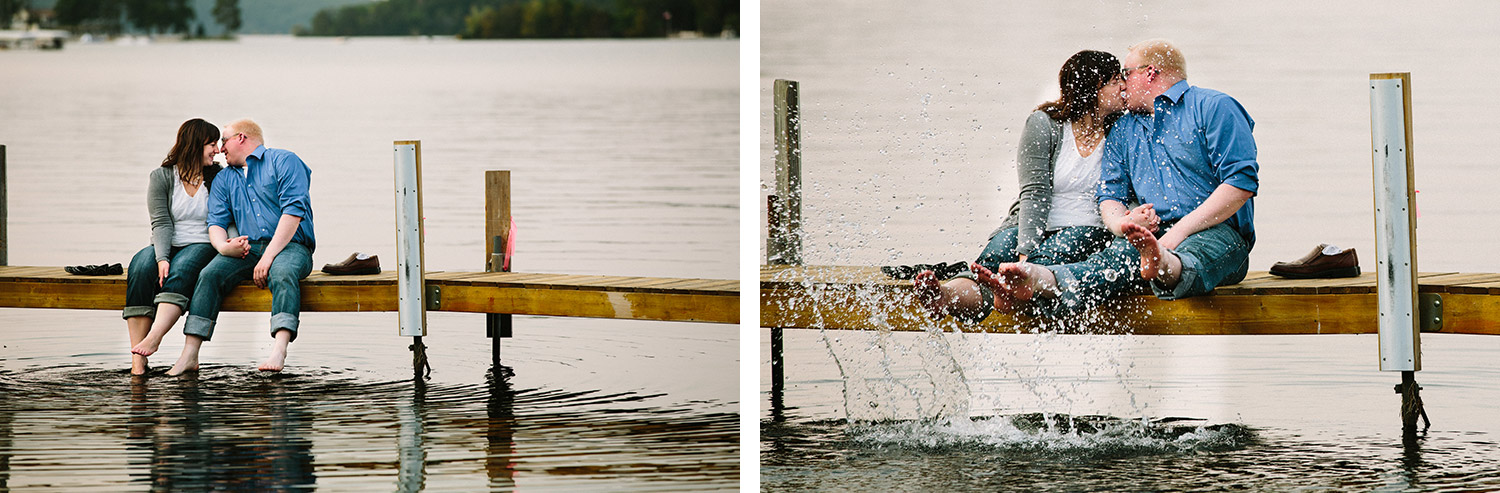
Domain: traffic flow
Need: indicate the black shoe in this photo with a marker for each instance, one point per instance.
(943, 270)
(95, 270)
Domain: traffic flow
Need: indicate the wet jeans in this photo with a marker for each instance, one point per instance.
(142, 293)
(222, 274)
(1062, 246)
(1216, 256)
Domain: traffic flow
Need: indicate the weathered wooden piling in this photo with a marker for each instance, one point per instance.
(497, 232)
(1394, 177)
(4, 221)
(410, 251)
(784, 211)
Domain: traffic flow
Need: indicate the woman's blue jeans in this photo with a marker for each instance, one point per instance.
(142, 293)
(1062, 246)
(222, 274)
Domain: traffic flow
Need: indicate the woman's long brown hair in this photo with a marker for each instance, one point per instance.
(187, 153)
(1080, 79)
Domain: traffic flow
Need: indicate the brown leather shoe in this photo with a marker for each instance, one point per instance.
(357, 264)
(1320, 264)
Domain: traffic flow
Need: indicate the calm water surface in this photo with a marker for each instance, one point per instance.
(910, 121)
(624, 159)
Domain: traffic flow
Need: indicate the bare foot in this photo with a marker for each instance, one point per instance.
(930, 294)
(276, 362)
(185, 364)
(138, 365)
(148, 346)
(1144, 242)
(1016, 281)
(1004, 301)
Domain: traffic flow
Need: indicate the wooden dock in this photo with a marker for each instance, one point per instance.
(844, 297)
(561, 295)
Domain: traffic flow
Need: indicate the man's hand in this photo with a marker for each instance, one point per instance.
(162, 268)
(237, 247)
(262, 271)
(1145, 216)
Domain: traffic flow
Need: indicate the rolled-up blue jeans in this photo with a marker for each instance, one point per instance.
(223, 273)
(142, 293)
(1059, 246)
(1217, 256)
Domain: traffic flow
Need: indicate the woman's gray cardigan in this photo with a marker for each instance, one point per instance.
(1040, 141)
(159, 203)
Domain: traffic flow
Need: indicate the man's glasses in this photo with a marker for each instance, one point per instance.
(1125, 72)
(225, 141)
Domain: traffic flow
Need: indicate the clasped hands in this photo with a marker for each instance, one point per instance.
(1144, 215)
(239, 247)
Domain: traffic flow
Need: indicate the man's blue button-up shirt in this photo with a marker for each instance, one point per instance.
(1195, 140)
(272, 182)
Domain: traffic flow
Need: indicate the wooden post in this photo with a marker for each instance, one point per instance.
(4, 220)
(1395, 235)
(410, 278)
(784, 211)
(496, 235)
(784, 243)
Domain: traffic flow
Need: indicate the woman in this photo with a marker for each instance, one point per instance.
(1056, 219)
(160, 280)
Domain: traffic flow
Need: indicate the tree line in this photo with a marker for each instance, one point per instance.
(528, 18)
(151, 16)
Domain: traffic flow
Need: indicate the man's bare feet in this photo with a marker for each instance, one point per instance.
(1145, 242)
(278, 351)
(930, 294)
(184, 364)
(276, 362)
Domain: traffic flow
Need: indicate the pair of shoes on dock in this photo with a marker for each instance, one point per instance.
(358, 264)
(1324, 262)
(95, 270)
(943, 270)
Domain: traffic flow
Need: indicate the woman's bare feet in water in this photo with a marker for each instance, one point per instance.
(930, 294)
(148, 346)
(1004, 300)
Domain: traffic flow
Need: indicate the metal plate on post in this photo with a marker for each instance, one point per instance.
(1395, 239)
(409, 275)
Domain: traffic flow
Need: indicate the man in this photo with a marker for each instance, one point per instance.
(1186, 155)
(264, 193)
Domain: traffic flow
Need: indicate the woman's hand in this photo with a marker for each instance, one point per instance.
(1145, 216)
(162, 268)
(236, 247)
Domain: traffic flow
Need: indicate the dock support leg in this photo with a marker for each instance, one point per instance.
(1411, 403)
(419, 365)
(784, 214)
(778, 376)
(497, 231)
(4, 221)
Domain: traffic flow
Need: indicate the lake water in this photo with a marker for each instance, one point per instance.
(911, 116)
(624, 159)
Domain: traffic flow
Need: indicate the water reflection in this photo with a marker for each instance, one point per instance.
(500, 438)
(193, 441)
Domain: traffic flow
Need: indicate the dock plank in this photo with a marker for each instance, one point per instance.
(565, 295)
(845, 297)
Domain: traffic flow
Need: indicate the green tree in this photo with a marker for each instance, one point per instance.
(8, 9)
(227, 14)
(100, 16)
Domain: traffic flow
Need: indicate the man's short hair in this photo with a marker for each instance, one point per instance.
(247, 127)
(1161, 54)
